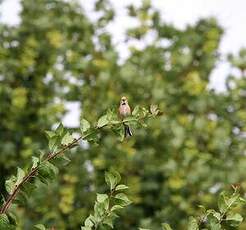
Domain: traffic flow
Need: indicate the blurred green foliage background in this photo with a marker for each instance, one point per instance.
(183, 159)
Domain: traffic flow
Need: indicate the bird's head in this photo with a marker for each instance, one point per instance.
(123, 100)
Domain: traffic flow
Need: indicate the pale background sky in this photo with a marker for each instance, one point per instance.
(231, 15)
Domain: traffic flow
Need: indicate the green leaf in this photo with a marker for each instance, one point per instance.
(121, 187)
(10, 184)
(112, 118)
(112, 178)
(214, 224)
(53, 143)
(101, 197)
(233, 201)
(86, 228)
(20, 175)
(213, 220)
(202, 208)
(242, 200)
(67, 139)
(43, 179)
(144, 112)
(40, 226)
(222, 202)
(192, 224)
(234, 219)
(215, 214)
(4, 223)
(99, 209)
(121, 133)
(12, 219)
(29, 187)
(131, 120)
(48, 170)
(41, 155)
(89, 222)
(50, 134)
(116, 207)
(225, 203)
(61, 160)
(102, 121)
(35, 162)
(59, 129)
(123, 197)
(135, 111)
(108, 221)
(84, 125)
(21, 198)
(92, 137)
(166, 226)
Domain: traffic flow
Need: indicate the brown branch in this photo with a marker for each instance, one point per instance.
(33, 171)
(12, 196)
(49, 157)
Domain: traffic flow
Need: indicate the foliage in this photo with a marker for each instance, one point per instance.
(106, 205)
(44, 167)
(225, 218)
(186, 157)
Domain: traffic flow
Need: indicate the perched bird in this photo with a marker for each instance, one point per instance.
(124, 111)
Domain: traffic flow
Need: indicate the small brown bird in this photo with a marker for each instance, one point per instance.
(124, 111)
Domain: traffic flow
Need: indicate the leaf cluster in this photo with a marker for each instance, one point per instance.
(107, 204)
(44, 168)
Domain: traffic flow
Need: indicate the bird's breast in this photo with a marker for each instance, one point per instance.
(125, 110)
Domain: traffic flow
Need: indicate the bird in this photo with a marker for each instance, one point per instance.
(125, 111)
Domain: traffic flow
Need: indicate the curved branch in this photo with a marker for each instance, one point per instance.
(31, 173)
(49, 157)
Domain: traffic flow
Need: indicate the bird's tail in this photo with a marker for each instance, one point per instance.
(128, 132)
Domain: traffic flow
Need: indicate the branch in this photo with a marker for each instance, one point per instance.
(107, 204)
(34, 170)
(51, 156)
